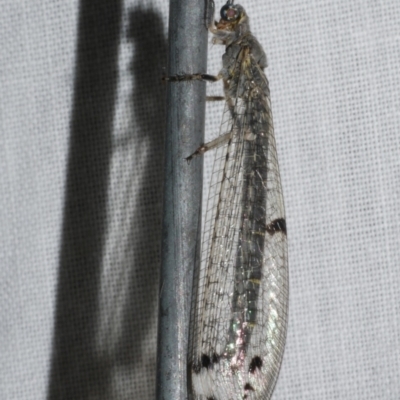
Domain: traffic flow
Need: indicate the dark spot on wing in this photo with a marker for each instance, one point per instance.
(256, 362)
(247, 386)
(215, 358)
(196, 367)
(278, 225)
(205, 361)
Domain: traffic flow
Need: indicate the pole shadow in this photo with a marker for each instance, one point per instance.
(76, 371)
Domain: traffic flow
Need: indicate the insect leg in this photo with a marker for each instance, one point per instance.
(220, 140)
(215, 98)
(192, 77)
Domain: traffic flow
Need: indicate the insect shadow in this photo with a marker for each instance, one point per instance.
(127, 367)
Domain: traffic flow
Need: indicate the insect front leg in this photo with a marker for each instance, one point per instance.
(192, 77)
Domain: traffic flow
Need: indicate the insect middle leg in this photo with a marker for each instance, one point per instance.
(215, 98)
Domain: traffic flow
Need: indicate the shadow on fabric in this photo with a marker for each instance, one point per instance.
(75, 369)
(78, 369)
(137, 347)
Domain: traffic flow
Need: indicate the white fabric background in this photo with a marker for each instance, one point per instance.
(81, 156)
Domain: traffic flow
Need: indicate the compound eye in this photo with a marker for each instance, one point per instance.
(229, 12)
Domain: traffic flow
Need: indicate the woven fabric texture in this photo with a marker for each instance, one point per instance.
(82, 126)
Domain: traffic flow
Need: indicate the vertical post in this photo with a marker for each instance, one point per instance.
(182, 193)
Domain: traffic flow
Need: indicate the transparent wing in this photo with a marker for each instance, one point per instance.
(220, 236)
(239, 319)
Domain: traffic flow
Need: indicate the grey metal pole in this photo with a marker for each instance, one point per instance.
(182, 193)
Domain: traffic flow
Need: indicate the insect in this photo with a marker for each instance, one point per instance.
(239, 312)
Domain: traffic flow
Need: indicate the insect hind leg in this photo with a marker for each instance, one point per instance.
(219, 141)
